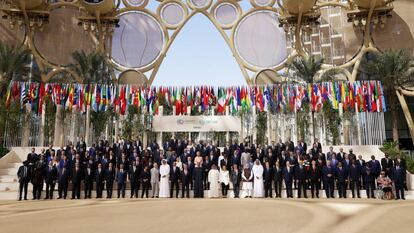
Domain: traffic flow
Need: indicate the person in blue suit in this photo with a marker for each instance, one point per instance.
(288, 178)
(398, 177)
(328, 179)
(341, 177)
(121, 177)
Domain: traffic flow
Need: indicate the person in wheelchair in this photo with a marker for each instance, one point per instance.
(385, 184)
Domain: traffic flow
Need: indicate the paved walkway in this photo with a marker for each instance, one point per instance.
(207, 216)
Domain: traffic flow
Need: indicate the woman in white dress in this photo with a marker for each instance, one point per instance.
(213, 179)
(258, 179)
(164, 181)
(224, 179)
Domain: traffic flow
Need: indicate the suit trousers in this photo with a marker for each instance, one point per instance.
(302, 186)
(63, 189)
(236, 190)
(109, 189)
(278, 187)
(177, 187)
(185, 190)
(354, 185)
(37, 190)
(268, 189)
(50, 187)
(88, 188)
(341, 186)
(289, 191)
(23, 188)
(315, 186)
(328, 185)
(135, 185)
(224, 189)
(369, 188)
(76, 190)
(145, 188)
(99, 189)
(121, 189)
(399, 190)
(155, 186)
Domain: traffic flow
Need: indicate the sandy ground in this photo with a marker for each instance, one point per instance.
(207, 216)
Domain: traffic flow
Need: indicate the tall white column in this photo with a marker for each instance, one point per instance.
(174, 114)
(73, 125)
(42, 125)
(88, 125)
(58, 135)
(227, 133)
(160, 113)
(341, 127)
(254, 124)
(358, 124)
(27, 125)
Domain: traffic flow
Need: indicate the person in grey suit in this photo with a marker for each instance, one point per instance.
(155, 180)
(235, 179)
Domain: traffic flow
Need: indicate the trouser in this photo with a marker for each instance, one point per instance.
(177, 189)
(155, 186)
(399, 190)
(278, 187)
(63, 189)
(145, 188)
(23, 188)
(236, 190)
(302, 187)
(37, 190)
(341, 186)
(369, 188)
(314, 186)
(185, 190)
(88, 188)
(354, 185)
(268, 189)
(50, 187)
(76, 190)
(206, 183)
(134, 188)
(121, 189)
(289, 192)
(99, 189)
(328, 185)
(224, 189)
(109, 189)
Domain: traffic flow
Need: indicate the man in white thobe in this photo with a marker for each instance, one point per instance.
(213, 179)
(258, 179)
(164, 181)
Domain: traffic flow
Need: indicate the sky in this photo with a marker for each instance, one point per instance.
(199, 56)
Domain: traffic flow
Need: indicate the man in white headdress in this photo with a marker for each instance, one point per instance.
(213, 179)
(165, 177)
(258, 179)
(247, 177)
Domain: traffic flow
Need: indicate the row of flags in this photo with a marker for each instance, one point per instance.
(363, 96)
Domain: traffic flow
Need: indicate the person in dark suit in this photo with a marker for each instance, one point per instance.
(109, 180)
(403, 164)
(23, 175)
(235, 178)
(375, 166)
(369, 180)
(38, 169)
(198, 176)
(63, 179)
(145, 179)
(185, 181)
(267, 179)
(328, 179)
(76, 181)
(51, 174)
(174, 178)
(206, 168)
(88, 180)
(134, 175)
(398, 177)
(341, 177)
(301, 175)
(387, 164)
(99, 179)
(361, 164)
(288, 174)
(354, 178)
(277, 178)
(314, 179)
(121, 177)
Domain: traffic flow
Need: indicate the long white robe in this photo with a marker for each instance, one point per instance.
(164, 181)
(213, 179)
(258, 187)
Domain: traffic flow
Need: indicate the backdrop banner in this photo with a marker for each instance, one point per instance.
(196, 123)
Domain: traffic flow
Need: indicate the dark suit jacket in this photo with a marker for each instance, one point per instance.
(354, 172)
(76, 176)
(328, 171)
(175, 174)
(278, 173)
(386, 165)
(50, 174)
(288, 175)
(398, 175)
(21, 176)
(341, 175)
(315, 174)
(301, 174)
(185, 178)
(99, 176)
(267, 175)
(110, 175)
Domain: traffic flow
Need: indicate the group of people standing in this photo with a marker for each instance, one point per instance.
(178, 166)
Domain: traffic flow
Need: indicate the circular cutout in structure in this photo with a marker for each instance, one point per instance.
(199, 4)
(172, 14)
(263, 2)
(135, 3)
(335, 39)
(259, 40)
(226, 14)
(138, 41)
(132, 77)
(267, 77)
(61, 37)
